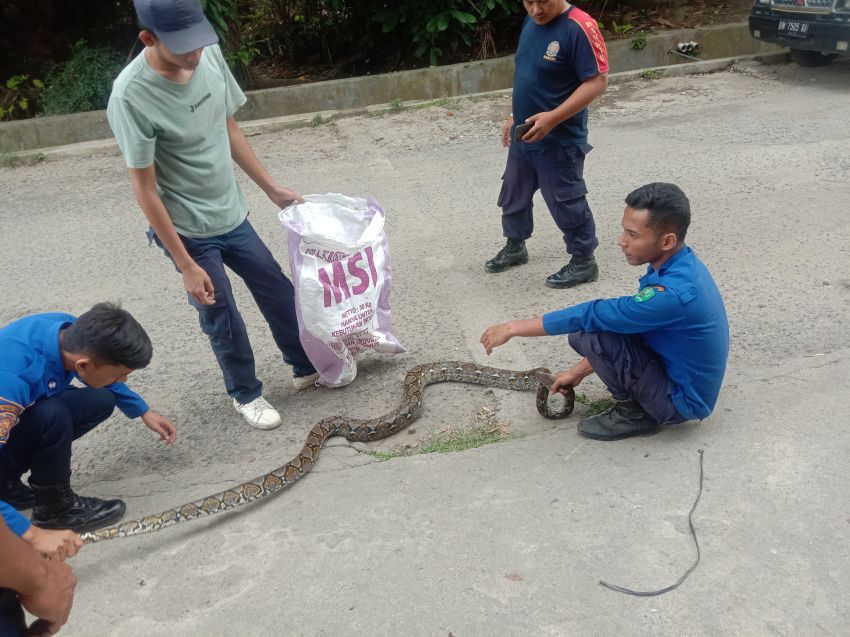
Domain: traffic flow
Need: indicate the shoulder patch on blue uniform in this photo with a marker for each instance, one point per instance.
(646, 293)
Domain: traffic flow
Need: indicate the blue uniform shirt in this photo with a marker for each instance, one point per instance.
(551, 62)
(31, 368)
(16, 522)
(680, 315)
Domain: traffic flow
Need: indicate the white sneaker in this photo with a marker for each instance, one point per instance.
(303, 382)
(259, 413)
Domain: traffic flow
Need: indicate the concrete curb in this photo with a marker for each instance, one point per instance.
(349, 94)
(304, 120)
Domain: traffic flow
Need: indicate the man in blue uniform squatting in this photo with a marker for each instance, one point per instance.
(561, 67)
(41, 414)
(662, 352)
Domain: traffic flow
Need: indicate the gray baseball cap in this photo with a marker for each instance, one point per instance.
(180, 24)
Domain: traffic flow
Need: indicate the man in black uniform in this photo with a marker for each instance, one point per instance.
(561, 67)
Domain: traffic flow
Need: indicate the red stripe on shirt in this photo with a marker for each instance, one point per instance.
(591, 30)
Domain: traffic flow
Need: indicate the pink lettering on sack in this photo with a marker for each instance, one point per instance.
(335, 283)
(360, 273)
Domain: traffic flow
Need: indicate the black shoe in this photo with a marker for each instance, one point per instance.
(514, 253)
(58, 507)
(17, 494)
(576, 272)
(623, 420)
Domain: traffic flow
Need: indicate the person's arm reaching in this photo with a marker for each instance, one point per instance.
(195, 279)
(497, 335)
(246, 159)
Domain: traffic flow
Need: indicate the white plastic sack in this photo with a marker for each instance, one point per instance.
(340, 265)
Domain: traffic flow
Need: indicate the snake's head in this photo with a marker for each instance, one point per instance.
(544, 377)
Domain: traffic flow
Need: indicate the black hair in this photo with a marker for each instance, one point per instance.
(669, 208)
(111, 336)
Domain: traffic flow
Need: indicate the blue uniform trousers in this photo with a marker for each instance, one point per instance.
(12, 622)
(630, 370)
(244, 253)
(41, 444)
(41, 441)
(559, 174)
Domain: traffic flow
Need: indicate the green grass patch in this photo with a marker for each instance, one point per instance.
(598, 406)
(651, 74)
(467, 438)
(594, 406)
(443, 102)
(13, 161)
(484, 431)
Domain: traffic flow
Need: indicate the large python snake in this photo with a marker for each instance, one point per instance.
(354, 429)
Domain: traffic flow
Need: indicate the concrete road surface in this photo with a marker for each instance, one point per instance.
(512, 538)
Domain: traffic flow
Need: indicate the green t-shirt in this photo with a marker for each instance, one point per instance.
(182, 130)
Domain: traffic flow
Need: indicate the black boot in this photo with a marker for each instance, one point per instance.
(514, 253)
(58, 507)
(17, 494)
(623, 420)
(576, 272)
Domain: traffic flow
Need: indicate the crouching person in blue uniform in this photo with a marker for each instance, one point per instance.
(41, 413)
(661, 352)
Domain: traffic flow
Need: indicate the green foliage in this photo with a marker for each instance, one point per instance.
(594, 407)
(639, 42)
(622, 29)
(651, 74)
(229, 23)
(444, 102)
(221, 14)
(13, 160)
(84, 82)
(396, 105)
(20, 97)
(433, 26)
(598, 407)
(372, 34)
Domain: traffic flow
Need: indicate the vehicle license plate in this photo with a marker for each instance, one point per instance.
(793, 29)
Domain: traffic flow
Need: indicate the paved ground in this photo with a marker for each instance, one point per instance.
(509, 539)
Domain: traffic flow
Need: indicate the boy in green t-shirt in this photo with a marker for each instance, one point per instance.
(171, 110)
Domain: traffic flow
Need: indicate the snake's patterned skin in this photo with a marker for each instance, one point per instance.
(354, 429)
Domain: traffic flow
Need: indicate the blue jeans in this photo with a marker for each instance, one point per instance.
(559, 174)
(244, 253)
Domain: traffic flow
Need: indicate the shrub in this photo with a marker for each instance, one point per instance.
(84, 82)
(434, 26)
(20, 98)
(350, 32)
